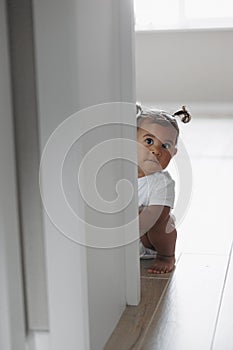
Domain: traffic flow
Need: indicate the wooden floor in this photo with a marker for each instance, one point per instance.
(192, 308)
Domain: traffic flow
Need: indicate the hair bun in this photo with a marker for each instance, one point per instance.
(183, 114)
(138, 109)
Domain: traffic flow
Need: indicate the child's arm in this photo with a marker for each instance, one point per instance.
(149, 216)
(160, 237)
(159, 226)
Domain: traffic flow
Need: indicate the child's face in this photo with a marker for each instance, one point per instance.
(156, 147)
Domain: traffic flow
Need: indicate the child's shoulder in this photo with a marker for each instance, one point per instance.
(161, 175)
(160, 178)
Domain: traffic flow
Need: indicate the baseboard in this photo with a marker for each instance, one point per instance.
(37, 340)
(196, 109)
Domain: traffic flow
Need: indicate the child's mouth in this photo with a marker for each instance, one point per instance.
(153, 161)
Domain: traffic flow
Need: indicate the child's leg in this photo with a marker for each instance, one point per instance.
(160, 239)
(164, 263)
(145, 241)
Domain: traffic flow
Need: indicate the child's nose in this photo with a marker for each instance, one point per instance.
(156, 150)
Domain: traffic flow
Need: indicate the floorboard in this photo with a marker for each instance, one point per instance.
(207, 227)
(136, 319)
(192, 308)
(224, 331)
(187, 314)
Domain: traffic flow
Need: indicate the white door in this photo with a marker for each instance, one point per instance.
(84, 56)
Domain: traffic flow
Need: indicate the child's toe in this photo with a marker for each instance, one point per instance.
(159, 268)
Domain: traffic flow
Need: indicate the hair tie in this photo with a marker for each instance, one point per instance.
(183, 114)
(138, 109)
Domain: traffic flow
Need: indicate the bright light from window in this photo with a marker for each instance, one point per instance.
(176, 14)
(149, 12)
(208, 8)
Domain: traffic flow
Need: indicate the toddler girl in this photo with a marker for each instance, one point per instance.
(157, 134)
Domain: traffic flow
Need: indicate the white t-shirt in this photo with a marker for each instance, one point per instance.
(156, 189)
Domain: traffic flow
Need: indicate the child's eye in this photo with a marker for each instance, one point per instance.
(149, 141)
(166, 145)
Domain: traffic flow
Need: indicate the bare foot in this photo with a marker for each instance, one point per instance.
(162, 264)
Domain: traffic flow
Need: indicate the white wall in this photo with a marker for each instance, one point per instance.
(186, 67)
(12, 321)
(20, 24)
